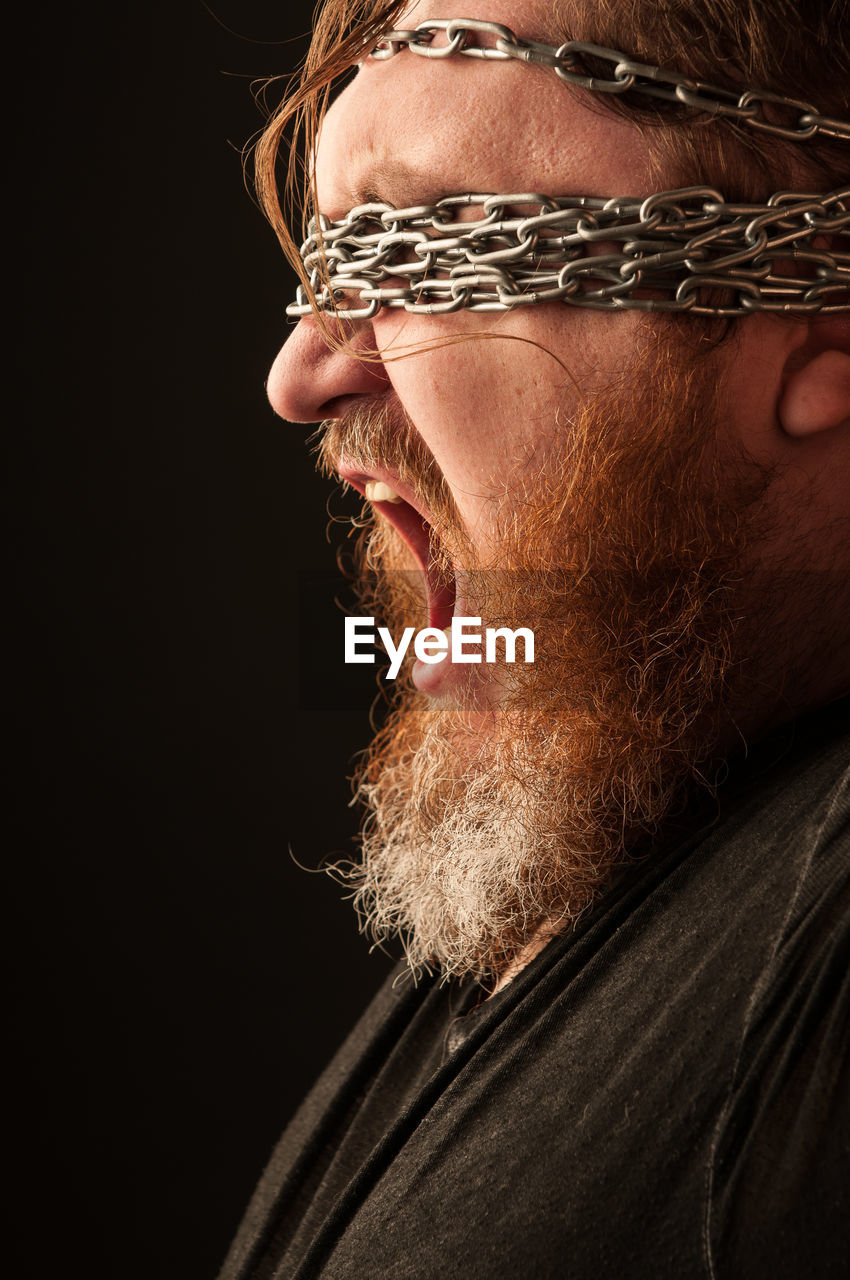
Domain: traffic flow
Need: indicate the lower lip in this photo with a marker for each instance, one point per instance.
(456, 685)
(442, 679)
(432, 677)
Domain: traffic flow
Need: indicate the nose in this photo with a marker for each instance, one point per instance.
(312, 380)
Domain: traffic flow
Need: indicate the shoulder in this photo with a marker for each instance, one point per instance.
(778, 1201)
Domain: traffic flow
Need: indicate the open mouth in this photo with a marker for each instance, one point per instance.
(395, 503)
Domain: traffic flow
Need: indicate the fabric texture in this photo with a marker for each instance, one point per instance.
(662, 1092)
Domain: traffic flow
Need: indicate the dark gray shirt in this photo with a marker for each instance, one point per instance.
(662, 1092)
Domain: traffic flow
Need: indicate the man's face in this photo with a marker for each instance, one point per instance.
(410, 130)
(583, 475)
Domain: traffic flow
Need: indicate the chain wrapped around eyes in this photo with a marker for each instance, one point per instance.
(681, 250)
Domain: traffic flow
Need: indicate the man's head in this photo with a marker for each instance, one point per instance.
(663, 501)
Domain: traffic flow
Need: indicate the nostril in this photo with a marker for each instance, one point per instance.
(314, 378)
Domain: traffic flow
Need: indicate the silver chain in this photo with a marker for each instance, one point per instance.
(682, 250)
(468, 38)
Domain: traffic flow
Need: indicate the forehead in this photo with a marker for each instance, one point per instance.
(409, 129)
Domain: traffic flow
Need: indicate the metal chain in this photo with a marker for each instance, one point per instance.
(678, 249)
(682, 250)
(468, 38)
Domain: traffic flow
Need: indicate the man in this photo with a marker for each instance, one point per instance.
(619, 872)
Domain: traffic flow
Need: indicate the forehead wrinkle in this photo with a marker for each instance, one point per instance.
(390, 179)
(394, 180)
(402, 186)
(410, 133)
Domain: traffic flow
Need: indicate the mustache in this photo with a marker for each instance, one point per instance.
(379, 435)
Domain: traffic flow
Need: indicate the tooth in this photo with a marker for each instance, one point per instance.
(377, 491)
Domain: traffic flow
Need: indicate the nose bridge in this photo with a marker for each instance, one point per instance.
(313, 379)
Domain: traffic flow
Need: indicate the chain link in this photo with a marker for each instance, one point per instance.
(677, 248)
(681, 250)
(468, 38)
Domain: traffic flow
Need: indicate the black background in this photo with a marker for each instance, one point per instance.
(181, 980)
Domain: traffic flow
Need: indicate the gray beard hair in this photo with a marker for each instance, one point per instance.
(463, 864)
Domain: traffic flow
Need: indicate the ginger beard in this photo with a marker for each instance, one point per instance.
(623, 549)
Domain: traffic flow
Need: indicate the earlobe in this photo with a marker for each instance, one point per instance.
(816, 394)
(816, 388)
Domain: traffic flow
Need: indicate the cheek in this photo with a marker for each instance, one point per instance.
(486, 390)
(479, 388)
(476, 405)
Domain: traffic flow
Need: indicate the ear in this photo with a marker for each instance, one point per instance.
(815, 393)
